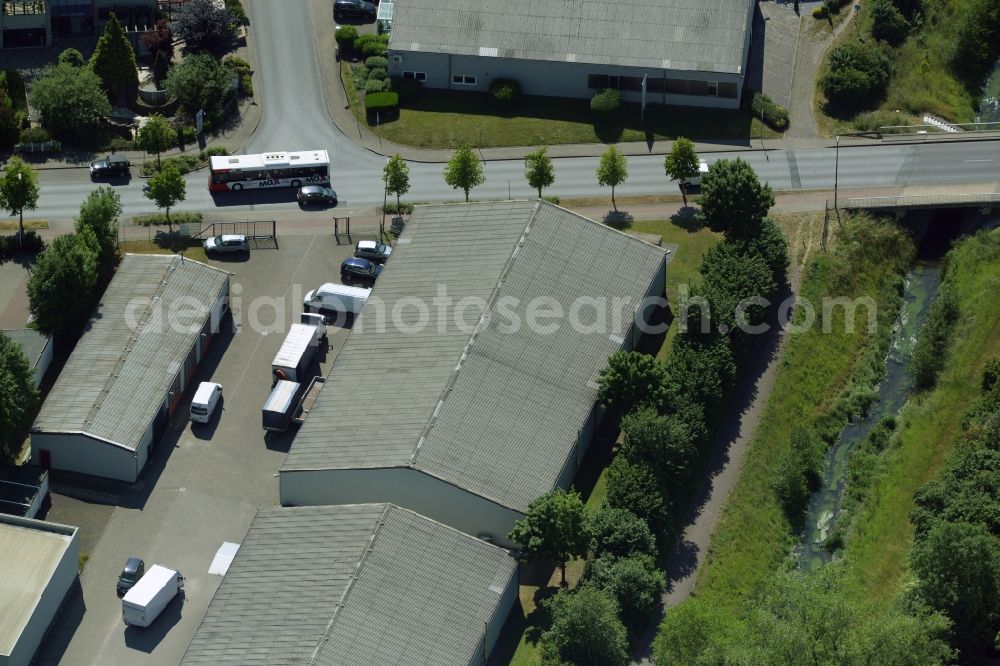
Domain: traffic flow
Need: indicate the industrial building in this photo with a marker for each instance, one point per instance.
(23, 489)
(37, 348)
(361, 584)
(129, 370)
(32, 23)
(685, 52)
(466, 419)
(37, 569)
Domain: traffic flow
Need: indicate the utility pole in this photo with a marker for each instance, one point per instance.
(836, 173)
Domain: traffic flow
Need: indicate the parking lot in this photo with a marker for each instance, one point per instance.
(204, 481)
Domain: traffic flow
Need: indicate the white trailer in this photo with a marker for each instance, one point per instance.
(292, 360)
(142, 604)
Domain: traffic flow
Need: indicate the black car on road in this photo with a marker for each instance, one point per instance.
(316, 194)
(357, 10)
(110, 167)
(358, 269)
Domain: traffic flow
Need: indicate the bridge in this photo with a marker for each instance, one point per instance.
(915, 202)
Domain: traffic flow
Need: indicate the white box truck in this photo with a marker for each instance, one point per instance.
(142, 604)
(292, 360)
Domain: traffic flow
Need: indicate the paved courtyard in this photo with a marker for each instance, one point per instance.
(204, 482)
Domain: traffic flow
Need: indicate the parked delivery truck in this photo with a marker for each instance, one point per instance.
(142, 604)
(279, 408)
(296, 353)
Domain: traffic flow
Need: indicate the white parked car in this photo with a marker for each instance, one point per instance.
(372, 250)
(227, 244)
(696, 181)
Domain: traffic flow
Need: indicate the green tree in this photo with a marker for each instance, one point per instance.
(553, 528)
(61, 289)
(585, 630)
(114, 61)
(396, 177)
(167, 188)
(696, 633)
(18, 189)
(200, 82)
(857, 75)
(888, 23)
(634, 488)
(681, 164)
(10, 123)
(72, 57)
(733, 198)
(205, 27)
(464, 171)
(538, 169)
(629, 380)
(957, 567)
(618, 532)
(69, 99)
(156, 136)
(770, 243)
(612, 171)
(977, 43)
(731, 278)
(702, 369)
(99, 213)
(664, 444)
(635, 582)
(18, 396)
(930, 352)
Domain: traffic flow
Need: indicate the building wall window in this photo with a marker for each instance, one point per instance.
(463, 80)
(727, 89)
(713, 88)
(419, 76)
(661, 85)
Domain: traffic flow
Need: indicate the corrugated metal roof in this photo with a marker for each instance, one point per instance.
(124, 364)
(697, 35)
(496, 412)
(31, 341)
(31, 552)
(352, 585)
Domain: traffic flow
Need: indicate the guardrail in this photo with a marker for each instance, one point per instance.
(924, 201)
(929, 132)
(44, 147)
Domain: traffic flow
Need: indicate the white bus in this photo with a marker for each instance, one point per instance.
(291, 169)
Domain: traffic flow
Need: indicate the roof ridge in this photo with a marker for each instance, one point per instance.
(483, 322)
(354, 577)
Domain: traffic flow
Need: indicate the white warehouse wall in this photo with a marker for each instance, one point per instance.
(79, 452)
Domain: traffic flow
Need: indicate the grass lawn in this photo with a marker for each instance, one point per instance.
(29, 225)
(444, 119)
(192, 249)
(878, 546)
(922, 80)
(752, 536)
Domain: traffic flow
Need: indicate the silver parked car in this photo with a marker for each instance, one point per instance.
(227, 244)
(372, 250)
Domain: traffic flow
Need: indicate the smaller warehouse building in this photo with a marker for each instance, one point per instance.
(684, 52)
(468, 384)
(23, 489)
(38, 566)
(37, 348)
(359, 584)
(130, 369)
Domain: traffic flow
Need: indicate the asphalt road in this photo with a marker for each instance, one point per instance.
(295, 118)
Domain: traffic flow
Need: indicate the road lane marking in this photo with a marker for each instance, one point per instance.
(989, 160)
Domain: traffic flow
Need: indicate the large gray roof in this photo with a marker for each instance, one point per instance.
(699, 35)
(493, 411)
(352, 585)
(124, 364)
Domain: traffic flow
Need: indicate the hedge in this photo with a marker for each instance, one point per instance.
(375, 86)
(377, 61)
(606, 102)
(381, 100)
(505, 93)
(775, 117)
(160, 219)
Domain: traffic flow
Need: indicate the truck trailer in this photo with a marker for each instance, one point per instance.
(296, 353)
(281, 405)
(142, 604)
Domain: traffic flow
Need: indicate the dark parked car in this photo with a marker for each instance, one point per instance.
(316, 194)
(354, 9)
(130, 575)
(372, 250)
(112, 165)
(355, 268)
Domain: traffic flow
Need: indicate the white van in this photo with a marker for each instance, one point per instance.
(696, 181)
(337, 298)
(205, 399)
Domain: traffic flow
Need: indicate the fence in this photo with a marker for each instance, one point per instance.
(44, 147)
(929, 132)
(261, 233)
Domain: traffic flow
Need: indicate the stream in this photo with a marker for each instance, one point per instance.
(893, 391)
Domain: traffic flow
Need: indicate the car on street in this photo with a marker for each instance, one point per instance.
(316, 194)
(690, 183)
(227, 244)
(130, 575)
(354, 9)
(109, 167)
(372, 250)
(356, 268)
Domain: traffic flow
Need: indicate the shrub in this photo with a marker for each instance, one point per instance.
(35, 135)
(408, 89)
(929, 354)
(634, 582)
(858, 76)
(888, 24)
(119, 143)
(606, 102)
(381, 100)
(775, 117)
(213, 150)
(359, 74)
(873, 121)
(821, 12)
(346, 36)
(160, 219)
(377, 61)
(378, 73)
(376, 86)
(505, 93)
(359, 41)
(237, 63)
(374, 48)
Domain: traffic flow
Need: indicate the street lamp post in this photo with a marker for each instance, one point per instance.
(20, 217)
(385, 197)
(836, 172)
